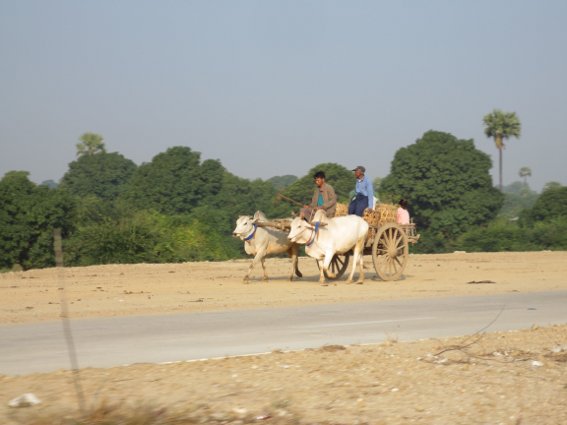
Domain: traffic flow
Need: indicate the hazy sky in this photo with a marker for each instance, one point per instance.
(275, 87)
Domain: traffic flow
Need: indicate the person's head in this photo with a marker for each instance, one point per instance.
(319, 178)
(403, 203)
(359, 171)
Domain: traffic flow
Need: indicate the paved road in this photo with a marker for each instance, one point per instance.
(116, 341)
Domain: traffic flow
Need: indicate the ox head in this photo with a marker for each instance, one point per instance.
(300, 230)
(244, 227)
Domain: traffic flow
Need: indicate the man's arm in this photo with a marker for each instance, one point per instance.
(370, 191)
(331, 198)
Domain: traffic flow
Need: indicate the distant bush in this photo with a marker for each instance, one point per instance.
(503, 235)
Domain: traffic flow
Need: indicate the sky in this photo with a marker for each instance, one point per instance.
(271, 88)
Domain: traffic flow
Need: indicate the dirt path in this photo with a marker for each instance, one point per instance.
(509, 378)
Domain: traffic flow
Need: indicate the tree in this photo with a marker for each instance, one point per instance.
(517, 197)
(103, 175)
(281, 182)
(91, 144)
(28, 215)
(524, 173)
(551, 204)
(501, 126)
(172, 183)
(448, 185)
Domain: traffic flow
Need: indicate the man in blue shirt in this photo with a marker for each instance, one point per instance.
(364, 194)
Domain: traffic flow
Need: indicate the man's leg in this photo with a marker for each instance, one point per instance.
(352, 207)
(361, 205)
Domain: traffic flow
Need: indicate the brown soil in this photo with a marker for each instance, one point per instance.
(509, 378)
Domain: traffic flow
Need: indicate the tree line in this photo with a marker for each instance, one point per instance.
(179, 208)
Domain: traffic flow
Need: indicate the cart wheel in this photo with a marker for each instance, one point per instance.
(390, 251)
(338, 265)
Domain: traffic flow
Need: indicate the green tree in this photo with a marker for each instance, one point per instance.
(497, 236)
(103, 175)
(28, 215)
(551, 204)
(500, 126)
(91, 144)
(448, 185)
(172, 183)
(281, 182)
(517, 198)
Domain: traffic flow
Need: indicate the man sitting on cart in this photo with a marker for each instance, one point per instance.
(324, 198)
(364, 193)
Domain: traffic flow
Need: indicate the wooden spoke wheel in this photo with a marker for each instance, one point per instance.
(390, 251)
(338, 265)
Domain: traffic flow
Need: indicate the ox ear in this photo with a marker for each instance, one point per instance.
(259, 216)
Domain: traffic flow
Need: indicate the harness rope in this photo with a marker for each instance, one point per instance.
(314, 236)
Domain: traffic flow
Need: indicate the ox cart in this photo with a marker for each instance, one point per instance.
(387, 242)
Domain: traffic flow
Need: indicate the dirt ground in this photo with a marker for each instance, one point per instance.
(517, 377)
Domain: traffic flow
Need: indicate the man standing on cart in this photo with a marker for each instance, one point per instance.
(364, 193)
(324, 198)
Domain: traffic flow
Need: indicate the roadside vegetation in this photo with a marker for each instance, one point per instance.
(178, 208)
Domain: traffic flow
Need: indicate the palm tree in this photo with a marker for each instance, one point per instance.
(500, 126)
(91, 143)
(525, 172)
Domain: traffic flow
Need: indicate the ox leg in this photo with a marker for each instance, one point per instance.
(358, 259)
(293, 253)
(264, 269)
(327, 263)
(257, 258)
(322, 280)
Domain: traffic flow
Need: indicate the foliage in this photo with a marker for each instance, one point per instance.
(176, 208)
(28, 216)
(500, 126)
(103, 175)
(173, 182)
(147, 237)
(503, 235)
(448, 185)
(544, 226)
(91, 144)
(524, 173)
(500, 235)
(517, 198)
(281, 182)
(551, 204)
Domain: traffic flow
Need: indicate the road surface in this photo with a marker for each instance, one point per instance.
(107, 342)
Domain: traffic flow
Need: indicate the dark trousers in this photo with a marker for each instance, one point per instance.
(358, 205)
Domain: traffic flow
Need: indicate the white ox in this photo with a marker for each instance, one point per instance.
(264, 241)
(332, 236)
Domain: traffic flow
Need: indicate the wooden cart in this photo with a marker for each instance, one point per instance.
(387, 242)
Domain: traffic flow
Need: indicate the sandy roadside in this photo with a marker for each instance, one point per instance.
(511, 378)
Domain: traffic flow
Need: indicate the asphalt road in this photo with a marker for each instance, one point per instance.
(110, 342)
